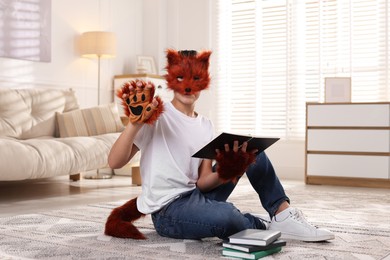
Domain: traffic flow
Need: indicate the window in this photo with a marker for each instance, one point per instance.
(272, 56)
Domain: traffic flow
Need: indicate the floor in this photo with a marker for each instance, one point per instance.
(33, 196)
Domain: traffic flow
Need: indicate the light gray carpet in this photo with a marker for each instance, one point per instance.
(360, 221)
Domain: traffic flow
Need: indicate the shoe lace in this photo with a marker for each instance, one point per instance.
(298, 216)
(264, 220)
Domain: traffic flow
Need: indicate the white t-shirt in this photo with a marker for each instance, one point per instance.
(167, 168)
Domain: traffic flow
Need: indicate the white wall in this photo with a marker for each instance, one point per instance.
(143, 27)
(188, 27)
(67, 69)
(177, 24)
(288, 157)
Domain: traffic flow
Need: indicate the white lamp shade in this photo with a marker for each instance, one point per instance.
(98, 44)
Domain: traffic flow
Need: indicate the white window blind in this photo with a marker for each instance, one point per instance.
(271, 57)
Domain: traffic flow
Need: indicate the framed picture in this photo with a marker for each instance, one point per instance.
(337, 89)
(145, 64)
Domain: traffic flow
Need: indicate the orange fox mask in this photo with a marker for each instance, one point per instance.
(187, 71)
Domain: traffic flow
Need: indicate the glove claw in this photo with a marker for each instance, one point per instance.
(137, 100)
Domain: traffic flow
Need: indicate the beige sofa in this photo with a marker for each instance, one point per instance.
(43, 133)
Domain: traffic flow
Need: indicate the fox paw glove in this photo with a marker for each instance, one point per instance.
(232, 165)
(137, 97)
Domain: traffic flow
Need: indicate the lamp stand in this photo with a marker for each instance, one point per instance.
(99, 175)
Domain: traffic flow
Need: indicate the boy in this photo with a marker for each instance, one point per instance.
(186, 197)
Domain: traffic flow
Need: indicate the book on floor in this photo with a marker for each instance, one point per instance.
(253, 255)
(259, 143)
(251, 248)
(255, 237)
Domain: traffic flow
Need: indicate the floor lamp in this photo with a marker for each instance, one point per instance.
(98, 45)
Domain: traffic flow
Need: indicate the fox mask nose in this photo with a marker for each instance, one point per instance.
(187, 90)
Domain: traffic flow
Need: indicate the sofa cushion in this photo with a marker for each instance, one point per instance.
(30, 113)
(93, 121)
(49, 157)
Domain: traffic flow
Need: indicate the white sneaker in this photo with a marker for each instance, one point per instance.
(293, 225)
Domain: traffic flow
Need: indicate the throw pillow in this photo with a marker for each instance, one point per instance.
(71, 124)
(98, 120)
(102, 119)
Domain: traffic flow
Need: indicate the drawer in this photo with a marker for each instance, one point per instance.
(338, 115)
(348, 140)
(355, 166)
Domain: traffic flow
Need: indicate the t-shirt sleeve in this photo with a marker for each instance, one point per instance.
(144, 136)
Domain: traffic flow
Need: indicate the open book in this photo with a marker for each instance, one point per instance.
(259, 143)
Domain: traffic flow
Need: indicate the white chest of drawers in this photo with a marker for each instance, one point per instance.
(348, 144)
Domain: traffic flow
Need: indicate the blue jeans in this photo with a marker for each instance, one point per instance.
(196, 215)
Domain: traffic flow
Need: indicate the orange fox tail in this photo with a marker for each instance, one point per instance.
(119, 223)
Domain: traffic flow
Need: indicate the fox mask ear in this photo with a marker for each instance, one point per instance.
(173, 57)
(187, 71)
(204, 58)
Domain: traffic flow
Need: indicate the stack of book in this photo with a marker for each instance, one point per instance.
(253, 244)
